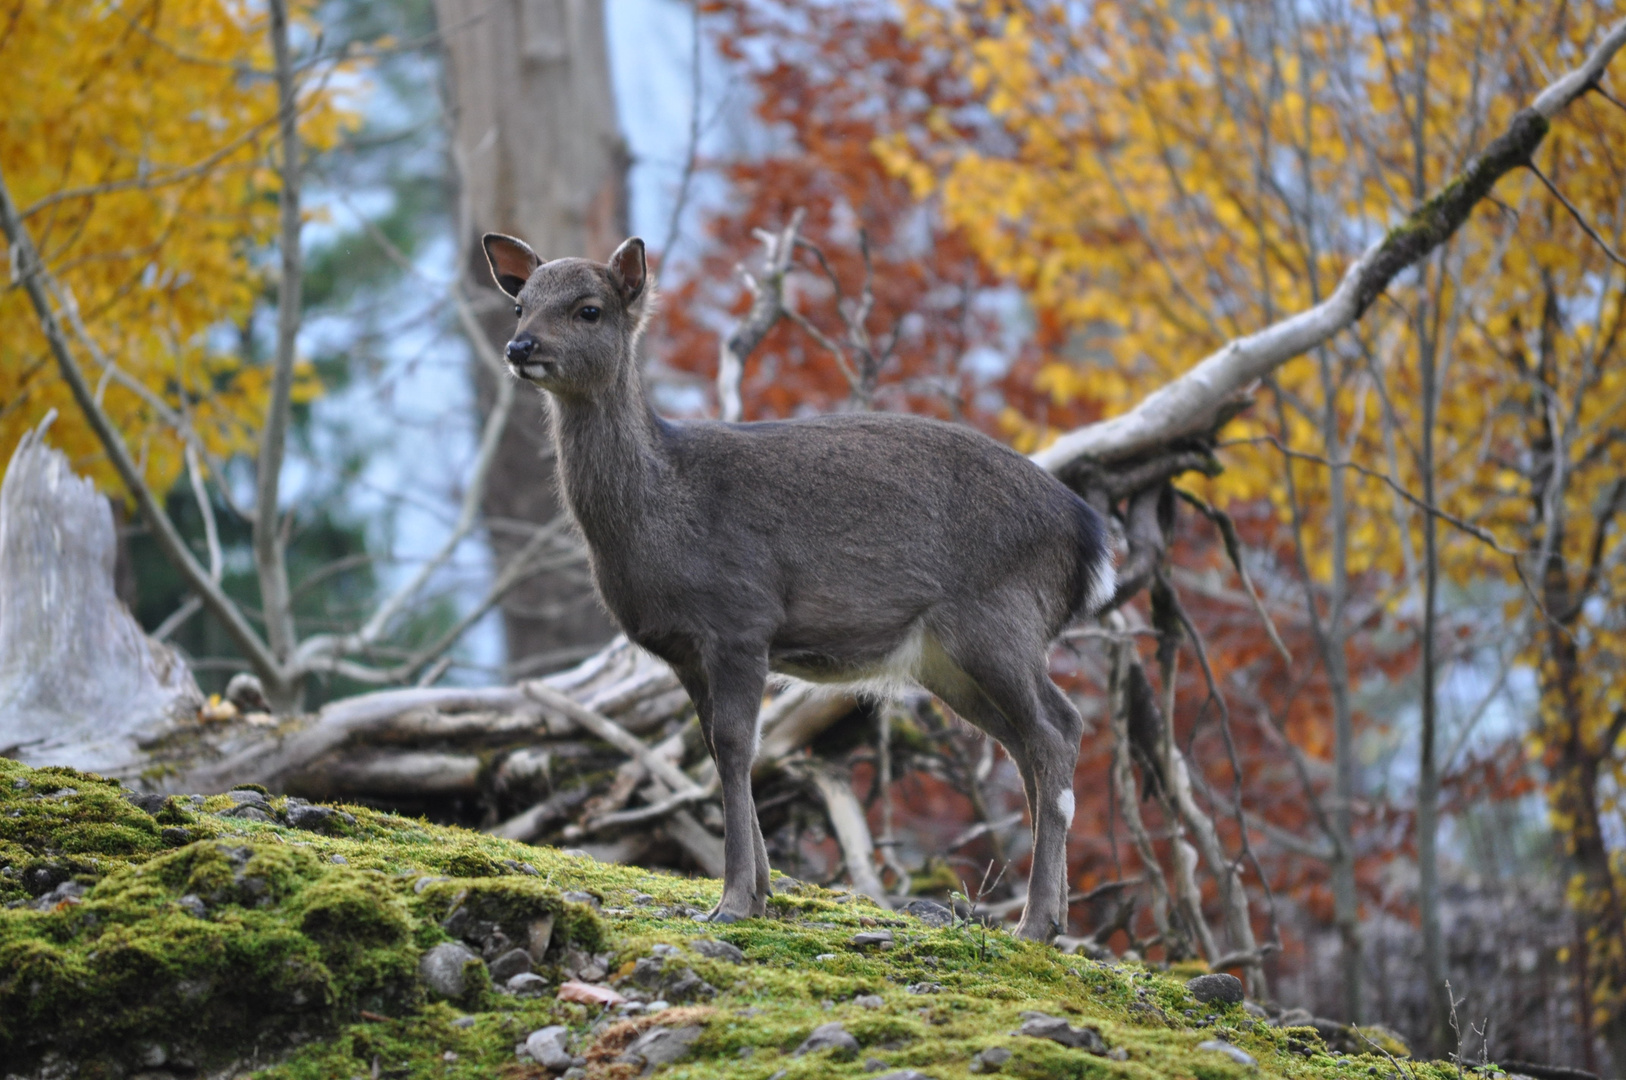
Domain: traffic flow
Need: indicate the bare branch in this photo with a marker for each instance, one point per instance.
(1575, 213)
(767, 305)
(1190, 403)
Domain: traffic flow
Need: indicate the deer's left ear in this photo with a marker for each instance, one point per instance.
(512, 261)
(629, 268)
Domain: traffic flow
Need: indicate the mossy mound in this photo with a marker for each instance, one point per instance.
(200, 943)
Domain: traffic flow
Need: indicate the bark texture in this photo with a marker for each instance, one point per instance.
(538, 155)
(80, 684)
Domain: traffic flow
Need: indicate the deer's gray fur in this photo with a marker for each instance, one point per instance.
(854, 548)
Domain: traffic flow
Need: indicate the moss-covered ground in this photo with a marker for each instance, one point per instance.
(203, 944)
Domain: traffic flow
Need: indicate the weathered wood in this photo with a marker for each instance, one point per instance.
(80, 683)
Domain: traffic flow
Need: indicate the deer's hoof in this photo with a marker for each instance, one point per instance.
(723, 917)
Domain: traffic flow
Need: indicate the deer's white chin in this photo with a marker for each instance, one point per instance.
(536, 371)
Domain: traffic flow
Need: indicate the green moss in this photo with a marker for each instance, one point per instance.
(308, 965)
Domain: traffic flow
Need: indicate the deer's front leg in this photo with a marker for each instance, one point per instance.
(734, 685)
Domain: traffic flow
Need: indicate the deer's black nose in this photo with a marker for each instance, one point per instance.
(520, 349)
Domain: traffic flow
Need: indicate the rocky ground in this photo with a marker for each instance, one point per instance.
(245, 934)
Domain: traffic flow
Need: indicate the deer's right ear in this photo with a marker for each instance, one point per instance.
(512, 261)
(628, 264)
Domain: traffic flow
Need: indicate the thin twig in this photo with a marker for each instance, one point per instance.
(1575, 213)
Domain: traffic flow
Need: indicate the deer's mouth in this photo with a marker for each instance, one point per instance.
(534, 370)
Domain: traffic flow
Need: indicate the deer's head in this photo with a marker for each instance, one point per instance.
(579, 320)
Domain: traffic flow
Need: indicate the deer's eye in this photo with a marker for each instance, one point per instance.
(588, 314)
(518, 311)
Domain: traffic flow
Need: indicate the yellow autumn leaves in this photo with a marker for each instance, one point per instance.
(137, 140)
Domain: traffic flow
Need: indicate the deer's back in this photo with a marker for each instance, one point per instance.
(835, 535)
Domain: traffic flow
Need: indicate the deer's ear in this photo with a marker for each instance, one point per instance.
(512, 261)
(628, 265)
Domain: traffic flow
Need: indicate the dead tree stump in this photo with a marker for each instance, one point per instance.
(80, 683)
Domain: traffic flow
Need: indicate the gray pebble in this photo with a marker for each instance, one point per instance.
(832, 1036)
(661, 1046)
(929, 912)
(869, 1001)
(717, 950)
(527, 984)
(509, 964)
(443, 969)
(1037, 1025)
(1235, 1053)
(990, 1060)
(1222, 988)
(547, 1048)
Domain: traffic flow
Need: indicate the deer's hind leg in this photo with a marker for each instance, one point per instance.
(1002, 684)
(726, 687)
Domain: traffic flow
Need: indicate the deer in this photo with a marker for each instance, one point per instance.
(877, 550)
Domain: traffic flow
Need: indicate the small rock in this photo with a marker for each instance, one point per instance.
(509, 964)
(588, 994)
(830, 1036)
(874, 1065)
(338, 860)
(463, 1022)
(575, 896)
(929, 912)
(246, 692)
(526, 984)
(424, 882)
(1223, 988)
(871, 939)
(175, 836)
(250, 812)
(240, 796)
(444, 969)
(68, 892)
(687, 986)
(658, 1005)
(905, 1074)
(642, 899)
(547, 1048)
(147, 801)
(1235, 1053)
(825, 956)
(1037, 1025)
(661, 1046)
(717, 950)
(318, 819)
(990, 1060)
(575, 1072)
(869, 1001)
(663, 949)
(193, 905)
(925, 988)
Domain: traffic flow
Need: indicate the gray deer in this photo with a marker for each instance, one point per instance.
(861, 548)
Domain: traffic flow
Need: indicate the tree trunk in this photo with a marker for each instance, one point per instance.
(80, 684)
(538, 155)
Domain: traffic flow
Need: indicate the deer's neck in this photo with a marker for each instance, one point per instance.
(610, 460)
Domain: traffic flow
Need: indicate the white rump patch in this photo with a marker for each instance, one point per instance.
(1065, 803)
(1103, 581)
(893, 677)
